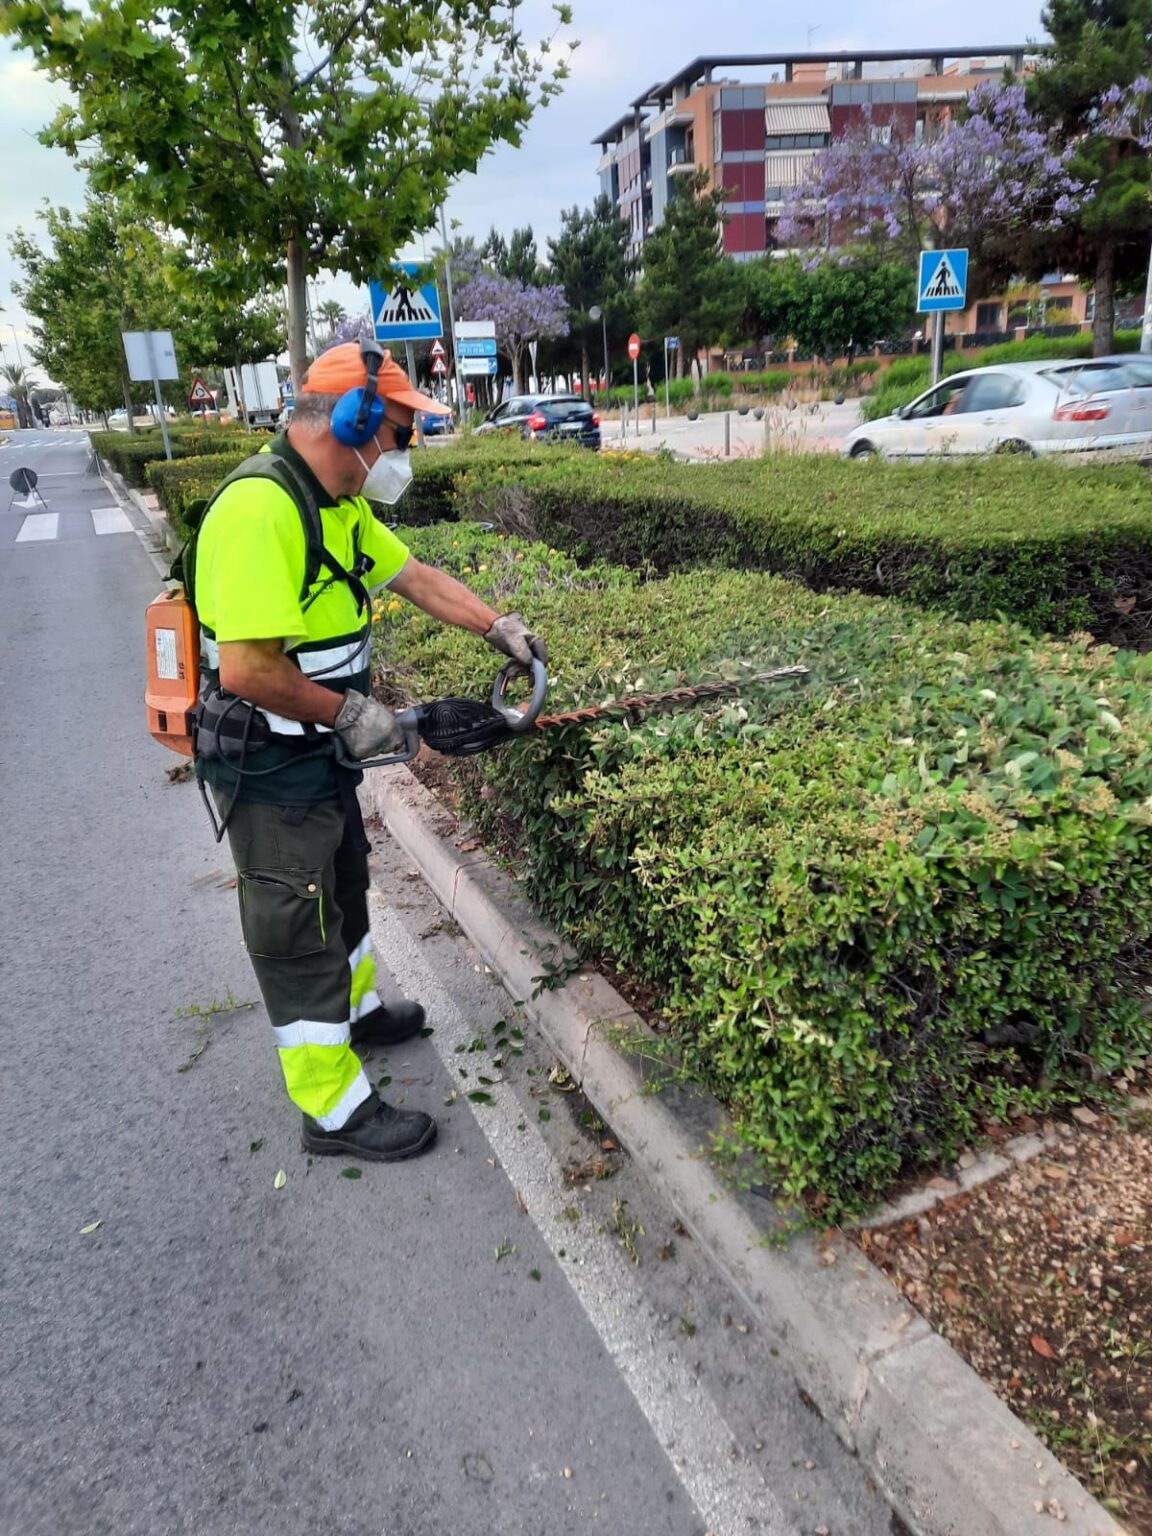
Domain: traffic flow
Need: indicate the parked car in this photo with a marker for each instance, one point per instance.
(435, 426)
(1065, 406)
(555, 418)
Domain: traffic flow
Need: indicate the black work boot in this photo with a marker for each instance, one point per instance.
(388, 1025)
(376, 1132)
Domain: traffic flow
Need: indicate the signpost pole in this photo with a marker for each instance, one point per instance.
(159, 402)
(636, 392)
(667, 386)
(938, 325)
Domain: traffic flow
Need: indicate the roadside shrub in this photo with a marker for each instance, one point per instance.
(130, 453)
(1053, 546)
(870, 910)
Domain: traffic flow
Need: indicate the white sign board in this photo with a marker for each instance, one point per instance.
(151, 355)
(467, 330)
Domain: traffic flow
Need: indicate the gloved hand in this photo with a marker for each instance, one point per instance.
(366, 727)
(511, 636)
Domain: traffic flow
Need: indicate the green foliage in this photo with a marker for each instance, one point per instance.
(327, 137)
(689, 287)
(1050, 545)
(869, 910)
(131, 455)
(589, 259)
(1096, 44)
(833, 310)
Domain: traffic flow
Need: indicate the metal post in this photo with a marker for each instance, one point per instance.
(159, 402)
(938, 323)
(667, 386)
(1146, 324)
(636, 392)
(727, 434)
(454, 377)
(607, 375)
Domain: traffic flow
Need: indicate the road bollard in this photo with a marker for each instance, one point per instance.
(727, 435)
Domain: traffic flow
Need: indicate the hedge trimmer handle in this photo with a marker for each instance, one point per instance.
(409, 722)
(522, 718)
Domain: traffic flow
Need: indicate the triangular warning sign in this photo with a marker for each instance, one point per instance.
(437, 349)
(943, 284)
(199, 394)
(405, 306)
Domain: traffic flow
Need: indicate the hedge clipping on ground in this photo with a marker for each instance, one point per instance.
(871, 910)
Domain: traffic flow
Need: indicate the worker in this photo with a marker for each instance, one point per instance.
(285, 666)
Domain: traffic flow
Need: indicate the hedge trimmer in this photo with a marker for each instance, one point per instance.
(463, 727)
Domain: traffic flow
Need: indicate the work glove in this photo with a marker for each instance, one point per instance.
(366, 727)
(511, 636)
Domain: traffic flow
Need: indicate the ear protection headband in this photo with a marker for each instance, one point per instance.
(358, 413)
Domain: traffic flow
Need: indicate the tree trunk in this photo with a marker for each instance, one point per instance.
(297, 311)
(126, 386)
(680, 361)
(584, 371)
(1104, 321)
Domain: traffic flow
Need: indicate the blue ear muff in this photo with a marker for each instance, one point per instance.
(358, 413)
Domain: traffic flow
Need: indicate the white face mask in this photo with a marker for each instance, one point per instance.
(389, 477)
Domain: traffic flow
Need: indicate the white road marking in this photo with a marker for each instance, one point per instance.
(731, 1497)
(38, 525)
(110, 520)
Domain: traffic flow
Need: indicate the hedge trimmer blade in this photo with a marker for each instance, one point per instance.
(636, 703)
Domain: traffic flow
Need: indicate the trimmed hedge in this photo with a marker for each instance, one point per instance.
(432, 498)
(871, 910)
(131, 453)
(1056, 547)
(1053, 546)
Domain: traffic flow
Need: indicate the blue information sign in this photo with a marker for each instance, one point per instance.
(477, 346)
(403, 311)
(943, 281)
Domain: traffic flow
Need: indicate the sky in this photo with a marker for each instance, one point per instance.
(624, 49)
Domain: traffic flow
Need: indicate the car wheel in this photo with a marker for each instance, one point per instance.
(1014, 445)
(864, 450)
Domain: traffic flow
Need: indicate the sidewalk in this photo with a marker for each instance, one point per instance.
(950, 1456)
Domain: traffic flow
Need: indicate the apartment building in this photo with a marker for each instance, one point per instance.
(756, 136)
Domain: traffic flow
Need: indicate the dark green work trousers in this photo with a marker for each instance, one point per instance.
(302, 879)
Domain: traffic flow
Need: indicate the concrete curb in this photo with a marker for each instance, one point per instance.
(953, 1460)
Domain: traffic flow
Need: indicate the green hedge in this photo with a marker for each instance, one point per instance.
(871, 910)
(131, 453)
(436, 473)
(1053, 546)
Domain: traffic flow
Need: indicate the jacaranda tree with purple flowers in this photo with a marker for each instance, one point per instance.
(990, 181)
(522, 313)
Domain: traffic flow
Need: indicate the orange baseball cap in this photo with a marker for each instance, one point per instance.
(342, 368)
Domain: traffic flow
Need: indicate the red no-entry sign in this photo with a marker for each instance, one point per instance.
(633, 346)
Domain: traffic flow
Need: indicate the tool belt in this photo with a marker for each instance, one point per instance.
(227, 726)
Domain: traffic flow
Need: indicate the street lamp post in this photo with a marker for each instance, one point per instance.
(596, 313)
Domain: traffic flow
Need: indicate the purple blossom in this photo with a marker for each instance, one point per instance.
(993, 173)
(520, 311)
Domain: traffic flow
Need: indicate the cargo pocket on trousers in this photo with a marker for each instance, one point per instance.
(282, 914)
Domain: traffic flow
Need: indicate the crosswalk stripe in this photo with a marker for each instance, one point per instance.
(110, 520)
(38, 525)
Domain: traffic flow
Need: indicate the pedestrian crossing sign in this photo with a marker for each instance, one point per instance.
(943, 281)
(404, 311)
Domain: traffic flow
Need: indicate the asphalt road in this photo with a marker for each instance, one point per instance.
(489, 1339)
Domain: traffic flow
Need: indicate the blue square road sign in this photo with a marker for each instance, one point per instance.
(943, 283)
(403, 311)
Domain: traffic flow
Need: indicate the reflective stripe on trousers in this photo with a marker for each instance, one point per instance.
(302, 878)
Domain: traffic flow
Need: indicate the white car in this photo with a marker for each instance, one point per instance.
(1066, 406)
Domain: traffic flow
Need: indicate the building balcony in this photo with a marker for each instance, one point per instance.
(680, 163)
